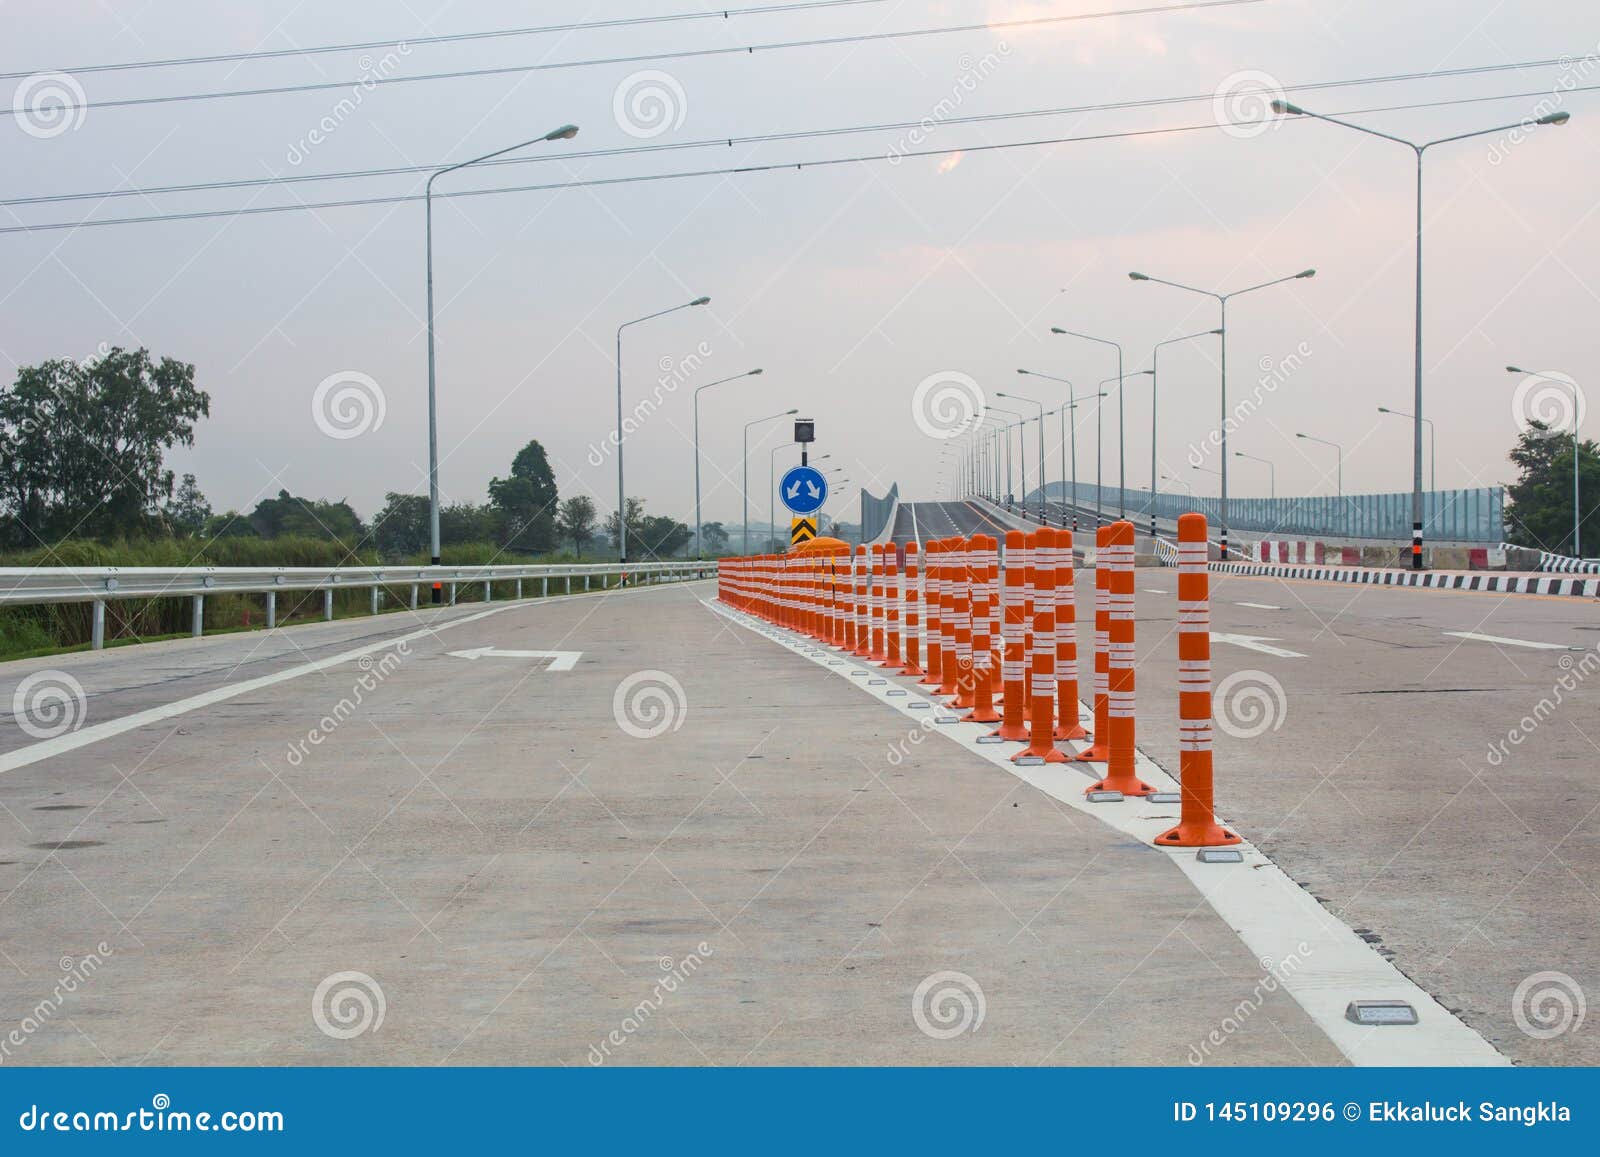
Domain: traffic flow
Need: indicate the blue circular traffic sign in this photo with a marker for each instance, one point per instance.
(804, 490)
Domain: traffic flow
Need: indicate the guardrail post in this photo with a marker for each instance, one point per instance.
(452, 594)
(544, 586)
(488, 595)
(97, 637)
(272, 609)
(198, 618)
(586, 580)
(375, 593)
(569, 582)
(519, 589)
(413, 596)
(327, 605)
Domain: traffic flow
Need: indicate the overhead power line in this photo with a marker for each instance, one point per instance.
(732, 170)
(642, 58)
(449, 38)
(760, 138)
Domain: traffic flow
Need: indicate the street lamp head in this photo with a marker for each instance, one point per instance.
(791, 411)
(1218, 332)
(1138, 277)
(753, 373)
(1299, 435)
(1057, 329)
(1022, 371)
(1284, 108)
(701, 301)
(1385, 410)
(1515, 370)
(564, 133)
(1306, 273)
(1554, 118)
(1142, 373)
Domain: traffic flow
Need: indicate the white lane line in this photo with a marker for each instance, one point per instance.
(1317, 958)
(1154, 591)
(1511, 642)
(1262, 606)
(62, 744)
(1255, 643)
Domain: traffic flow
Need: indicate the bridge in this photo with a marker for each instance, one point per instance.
(666, 822)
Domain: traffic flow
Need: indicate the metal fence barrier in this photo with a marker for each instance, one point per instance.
(20, 586)
(1475, 515)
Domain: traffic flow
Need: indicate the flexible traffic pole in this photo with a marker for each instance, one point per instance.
(950, 669)
(841, 595)
(848, 590)
(913, 616)
(876, 654)
(934, 609)
(1197, 820)
(983, 709)
(1042, 726)
(1120, 698)
(891, 607)
(1015, 699)
(1099, 751)
(964, 617)
(1067, 724)
(992, 585)
(863, 603)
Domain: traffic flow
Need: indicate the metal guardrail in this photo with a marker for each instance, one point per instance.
(21, 586)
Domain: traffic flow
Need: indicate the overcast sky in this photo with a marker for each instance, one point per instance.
(849, 285)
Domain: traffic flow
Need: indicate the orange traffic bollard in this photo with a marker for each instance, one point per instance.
(1041, 733)
(1099, 751)
(875, 653)
(1012, 725)
(891, 610)
(962, 607)
(933, 614)
(1068, 725)
(863, 576)
(982, 547)
(950, 667)
(913, 616)
(1197, 820)
(1120, 698)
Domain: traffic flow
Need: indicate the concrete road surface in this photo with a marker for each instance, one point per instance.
(407, 841)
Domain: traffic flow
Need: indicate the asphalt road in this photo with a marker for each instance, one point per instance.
(346, 844)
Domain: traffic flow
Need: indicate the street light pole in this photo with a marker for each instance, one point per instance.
(707, 386)
(1122, 462)
(1021, 448)
(1040, 470)
(1272, 472)
(1222, 302)
(1155, 355)
(1344, 515)
(564, 133)
(745, 484)
(1433, 446)
(1577, 405)
(1556, 118)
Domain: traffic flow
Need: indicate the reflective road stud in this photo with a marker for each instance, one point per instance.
(983, 687)
(1067, 724)
(1012, 726)
(1197, 822)
(1041, 733)
(913, 619)
(1099, 751)
(1120, 699)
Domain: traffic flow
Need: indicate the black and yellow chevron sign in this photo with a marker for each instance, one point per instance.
(802, 529)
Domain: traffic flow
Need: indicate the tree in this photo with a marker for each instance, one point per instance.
(400, 529)
(230, 524)
(462, 522)
(659, 536)
(714, 538)
(1539, 514)
(82, 443)
(575, 519)
(525, 502)
(187, 512)
(307, 517)
(635, 521)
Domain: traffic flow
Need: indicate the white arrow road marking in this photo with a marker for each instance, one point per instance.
(1262, 606)
(1512, 642)
(1153, 591)
(1255, 643)
(560, 660)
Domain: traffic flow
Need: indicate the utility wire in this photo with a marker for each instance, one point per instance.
(759, 138)
(750, 49)
(826, 162)
(451, 38)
